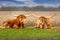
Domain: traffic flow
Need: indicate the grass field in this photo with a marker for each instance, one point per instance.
(29, 34)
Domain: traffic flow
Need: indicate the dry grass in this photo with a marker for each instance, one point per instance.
(6, 15)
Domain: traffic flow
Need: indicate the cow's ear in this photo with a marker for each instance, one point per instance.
(17, 16)
(25, 17)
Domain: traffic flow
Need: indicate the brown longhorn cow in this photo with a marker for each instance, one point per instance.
(15, 23)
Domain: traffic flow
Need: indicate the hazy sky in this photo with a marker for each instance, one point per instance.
(46, 3)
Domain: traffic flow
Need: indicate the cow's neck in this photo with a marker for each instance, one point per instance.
(20, 20)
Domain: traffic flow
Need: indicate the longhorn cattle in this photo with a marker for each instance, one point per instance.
(15, 23)
(46, 22)
(43, 22)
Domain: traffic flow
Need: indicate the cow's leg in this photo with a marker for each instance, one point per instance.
(41, 26)
(22, 25)
(10, 26)
(37, 25)
(16, 26)
(45, 26)
(49, 26)
(5, 25)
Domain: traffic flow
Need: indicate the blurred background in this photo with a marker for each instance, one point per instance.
(36, 7)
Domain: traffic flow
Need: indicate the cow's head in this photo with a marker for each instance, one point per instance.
(41, 17)
(21, 17)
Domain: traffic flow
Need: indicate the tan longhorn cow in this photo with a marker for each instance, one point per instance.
(43, 22)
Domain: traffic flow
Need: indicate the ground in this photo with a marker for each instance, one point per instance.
(30, 34)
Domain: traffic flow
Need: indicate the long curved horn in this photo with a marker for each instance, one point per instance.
(53, 15)
(12, 13)
(34, 15)
(27, 15)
